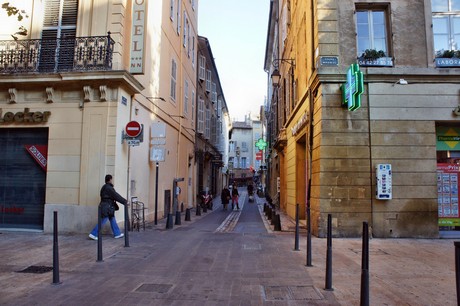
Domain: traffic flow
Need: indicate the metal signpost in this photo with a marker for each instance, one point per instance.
(157, 154)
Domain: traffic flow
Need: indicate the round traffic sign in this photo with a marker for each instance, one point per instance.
(133, 129)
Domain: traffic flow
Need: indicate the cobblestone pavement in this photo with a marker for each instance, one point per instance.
(222, 258)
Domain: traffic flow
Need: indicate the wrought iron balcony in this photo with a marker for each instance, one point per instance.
(56, 55)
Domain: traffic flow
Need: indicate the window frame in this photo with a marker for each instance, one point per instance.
(173, 82)
(387, 60)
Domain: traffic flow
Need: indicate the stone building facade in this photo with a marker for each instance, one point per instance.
(326, 155)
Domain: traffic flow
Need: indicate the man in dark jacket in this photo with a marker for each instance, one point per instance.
(108, 204)
(225, 197)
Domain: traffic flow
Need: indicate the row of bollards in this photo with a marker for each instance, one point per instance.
(272, 216)
(364, 292)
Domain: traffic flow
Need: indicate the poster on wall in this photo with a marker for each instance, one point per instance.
(448, 179)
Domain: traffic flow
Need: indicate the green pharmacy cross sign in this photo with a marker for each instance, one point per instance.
(261, 144)
(353, 88)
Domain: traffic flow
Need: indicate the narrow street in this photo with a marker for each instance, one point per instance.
(221, 258)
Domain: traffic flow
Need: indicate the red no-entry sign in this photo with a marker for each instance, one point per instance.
(133, 129)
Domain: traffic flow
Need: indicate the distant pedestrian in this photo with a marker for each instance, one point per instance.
(108, 204)
(225, 197)
(235, 196)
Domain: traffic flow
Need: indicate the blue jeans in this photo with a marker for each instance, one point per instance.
(113, 223)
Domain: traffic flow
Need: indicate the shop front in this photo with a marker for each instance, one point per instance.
(448, 171)
(23, 180)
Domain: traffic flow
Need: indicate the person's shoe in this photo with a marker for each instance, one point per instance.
(119, 236)
(92, 237)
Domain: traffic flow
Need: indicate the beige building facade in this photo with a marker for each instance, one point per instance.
(67, 92)
(384, 161)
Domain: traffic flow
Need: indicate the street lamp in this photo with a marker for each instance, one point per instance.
(276, 76)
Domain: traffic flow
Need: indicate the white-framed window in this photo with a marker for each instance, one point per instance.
(214, 93)
(173, 79)
(193, 50)
(171, 10)
(371, 25)
(200, 118)
(207, 126)
(208, 80)
(231, 146)
(193, 106)
(178, 17)
(185, 97)
(213, 129)
(446, 25)
(244, 146)
(185, 31)
(244, 162)
(202, 68)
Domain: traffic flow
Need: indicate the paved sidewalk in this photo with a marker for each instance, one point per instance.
(194, 264)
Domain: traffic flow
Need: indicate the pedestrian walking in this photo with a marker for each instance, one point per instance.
(235, 196)
(225, 197)
(108, 204)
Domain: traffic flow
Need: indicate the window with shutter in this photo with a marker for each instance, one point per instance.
(208, 80)
(173, 79)
(202, 69)
(200, 119)
(207, 131)
(186, 97)
(58, 35)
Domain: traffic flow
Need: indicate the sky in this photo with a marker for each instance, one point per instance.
(237, 33)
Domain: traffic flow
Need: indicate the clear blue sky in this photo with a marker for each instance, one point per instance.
(237, 32)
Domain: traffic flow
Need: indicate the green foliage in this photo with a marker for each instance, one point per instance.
(20, 15)
(372, 54)
(448, 53)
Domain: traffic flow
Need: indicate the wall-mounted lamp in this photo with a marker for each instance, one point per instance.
(456, 111)
(401, 82)
(276, 76)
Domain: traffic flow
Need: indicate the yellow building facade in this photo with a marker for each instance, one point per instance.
(67, 92)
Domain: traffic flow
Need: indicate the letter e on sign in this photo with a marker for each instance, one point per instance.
(133, 129)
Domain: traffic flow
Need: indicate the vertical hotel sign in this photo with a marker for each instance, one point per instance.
(136, 64)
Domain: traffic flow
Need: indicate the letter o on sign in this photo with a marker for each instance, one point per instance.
(133, 129)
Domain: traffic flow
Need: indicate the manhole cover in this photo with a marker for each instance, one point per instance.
(36, 269)
(290, 293)
(156, 288)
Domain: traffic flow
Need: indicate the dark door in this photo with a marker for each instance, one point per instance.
(22, 178)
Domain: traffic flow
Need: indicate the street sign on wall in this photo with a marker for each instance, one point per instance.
(133, 129)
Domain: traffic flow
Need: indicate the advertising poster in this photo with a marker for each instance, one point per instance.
(447, 176)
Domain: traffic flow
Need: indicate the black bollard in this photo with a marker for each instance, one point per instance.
(198, 210)
(277, 227)
(55, 251)
(273, 217)
(296, 242)
(187, 215)
(182, 207)
(265, 208)
(329, 254)
(99, 234)
(457, 269)
(269, 213)
(308, 236)
(169, 221)
(126, 226)
(178, 221)
(365, 267)
(205, 209)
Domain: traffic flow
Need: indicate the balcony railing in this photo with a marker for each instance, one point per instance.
(56, 55)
